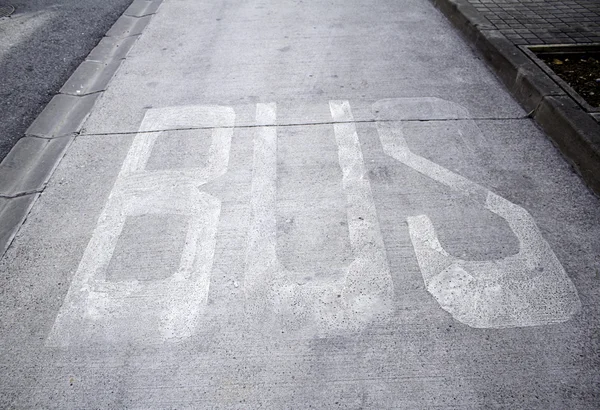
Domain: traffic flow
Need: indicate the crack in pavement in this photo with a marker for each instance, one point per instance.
(250, 126)
(24, 193)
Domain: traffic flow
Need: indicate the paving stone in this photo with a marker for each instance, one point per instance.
(559, 16)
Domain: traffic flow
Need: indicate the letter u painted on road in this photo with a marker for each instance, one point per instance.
(326, 306)
(99, 309)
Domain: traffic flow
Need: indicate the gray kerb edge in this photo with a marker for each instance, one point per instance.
(28, 167)
(90, 77)
(571, 129)
(141, 8)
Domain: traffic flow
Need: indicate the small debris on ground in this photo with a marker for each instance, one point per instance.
(581, 72)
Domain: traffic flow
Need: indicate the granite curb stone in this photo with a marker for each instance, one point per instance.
(575, 133)
(142, 8)
(127, 26)
(90, 77)
(13, 212)
(64, 115)
(111, 49)
(571, 129)
(28, 167)
(518, 73)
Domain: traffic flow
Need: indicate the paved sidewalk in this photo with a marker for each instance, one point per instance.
(529, 22)
(304, 204)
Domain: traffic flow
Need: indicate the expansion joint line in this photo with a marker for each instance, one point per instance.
(308, 124)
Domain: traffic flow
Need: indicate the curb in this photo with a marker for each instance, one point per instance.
(27, 168)
(572, 130)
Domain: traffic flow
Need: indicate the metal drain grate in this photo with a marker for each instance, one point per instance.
(6, 11)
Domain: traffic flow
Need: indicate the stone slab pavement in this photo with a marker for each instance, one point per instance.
(530, 22)
(304, 204)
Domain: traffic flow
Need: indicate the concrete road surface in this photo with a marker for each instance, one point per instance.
(305, 204)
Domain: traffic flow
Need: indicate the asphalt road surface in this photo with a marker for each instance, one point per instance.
(291, 204)
(41, 44)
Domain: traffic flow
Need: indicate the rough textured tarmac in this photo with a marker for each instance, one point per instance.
(305, 204)
(41, 44)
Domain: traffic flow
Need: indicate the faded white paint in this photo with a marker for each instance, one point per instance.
(529, 288)
(526, 289)
(326, 305)
(154, 310)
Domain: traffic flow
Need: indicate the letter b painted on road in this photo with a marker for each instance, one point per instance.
(99, 308)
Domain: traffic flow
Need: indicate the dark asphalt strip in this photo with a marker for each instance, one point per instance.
(34, 64)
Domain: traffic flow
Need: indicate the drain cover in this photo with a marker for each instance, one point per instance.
(6, 11)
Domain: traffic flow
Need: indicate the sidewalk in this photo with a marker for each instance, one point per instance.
(543, 21)
(298, 205)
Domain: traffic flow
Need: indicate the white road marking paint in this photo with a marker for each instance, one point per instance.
(123, 310)
(327, 305)
(527, 289)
